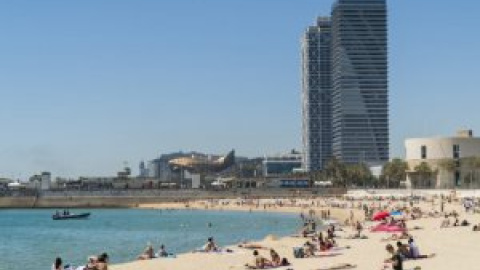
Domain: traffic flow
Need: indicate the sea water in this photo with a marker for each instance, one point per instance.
(30, 239)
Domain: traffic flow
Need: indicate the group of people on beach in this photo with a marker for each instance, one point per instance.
(404, 252)
(318, 240)
(149, 253)
(99, 262)
(261, 262)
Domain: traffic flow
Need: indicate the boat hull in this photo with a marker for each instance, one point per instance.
(73, 216)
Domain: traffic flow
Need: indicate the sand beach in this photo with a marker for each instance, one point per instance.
(454, 247)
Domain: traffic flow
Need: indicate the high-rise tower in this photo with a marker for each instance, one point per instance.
(316, 95)
(360, 81)
(345, 85)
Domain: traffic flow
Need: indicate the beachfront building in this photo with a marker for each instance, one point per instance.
(444, 162)
(345, 86)
(282, 164)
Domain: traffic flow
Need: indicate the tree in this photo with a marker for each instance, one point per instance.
(358, 174)
(424, 173)
(395, 171)
(336, 171)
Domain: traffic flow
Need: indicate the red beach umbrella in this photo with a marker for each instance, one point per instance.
(380, 216)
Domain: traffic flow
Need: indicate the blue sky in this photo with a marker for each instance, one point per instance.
(86, 85)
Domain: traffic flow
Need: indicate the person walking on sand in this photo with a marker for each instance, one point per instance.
(359, 229)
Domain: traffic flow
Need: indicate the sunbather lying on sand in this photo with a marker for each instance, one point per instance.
(355, 236)
(339, 267)
(396, 237)
(251, 246)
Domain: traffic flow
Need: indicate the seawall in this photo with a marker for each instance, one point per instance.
(131, 198)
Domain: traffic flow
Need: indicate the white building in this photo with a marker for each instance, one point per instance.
(454, 161)
(46, 180)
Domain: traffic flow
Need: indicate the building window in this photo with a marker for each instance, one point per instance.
(457, 178)
(423, 152)
(456, 151)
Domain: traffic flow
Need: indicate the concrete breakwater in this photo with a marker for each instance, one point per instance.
(131, 198)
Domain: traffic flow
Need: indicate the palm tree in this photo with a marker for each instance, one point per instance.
(394, 172)
(424, 172)
(359, 174)
(336, 171)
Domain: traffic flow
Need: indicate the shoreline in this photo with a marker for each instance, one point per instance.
(455, 248)
(268, 239)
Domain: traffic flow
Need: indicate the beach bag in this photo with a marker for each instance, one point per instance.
(298, 253)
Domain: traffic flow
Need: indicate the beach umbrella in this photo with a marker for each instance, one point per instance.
(380, 215)
(396, 213)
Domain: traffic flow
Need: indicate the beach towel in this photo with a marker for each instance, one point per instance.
(269, 267)
(339, 267)
(327, 254)
(169, 256)
(219, 251)
(387, 228)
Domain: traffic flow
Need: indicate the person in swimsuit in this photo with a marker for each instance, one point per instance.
(260, 262)
(275, 258)
(147, 254)
(57, 265)
(210, 246)
(102, 262)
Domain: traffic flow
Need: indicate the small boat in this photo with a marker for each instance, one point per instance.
(70, 216)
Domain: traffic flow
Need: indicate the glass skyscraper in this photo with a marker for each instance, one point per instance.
(316, 95)
(356, 73)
